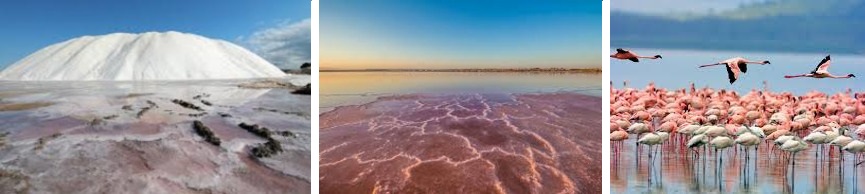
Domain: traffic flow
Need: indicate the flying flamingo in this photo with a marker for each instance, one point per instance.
(626, 54)
(822, 71)
(736, 65)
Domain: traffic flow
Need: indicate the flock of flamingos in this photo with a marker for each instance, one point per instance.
(697, 119)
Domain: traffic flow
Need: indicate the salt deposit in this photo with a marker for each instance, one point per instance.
(146, 56)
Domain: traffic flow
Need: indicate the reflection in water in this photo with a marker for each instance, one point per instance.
(343, 88)
(767, 170)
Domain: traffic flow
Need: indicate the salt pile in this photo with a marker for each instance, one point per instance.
(147, 56)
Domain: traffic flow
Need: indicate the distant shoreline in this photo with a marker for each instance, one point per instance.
(550, 70)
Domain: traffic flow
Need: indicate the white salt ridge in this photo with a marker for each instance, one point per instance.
(147, 56)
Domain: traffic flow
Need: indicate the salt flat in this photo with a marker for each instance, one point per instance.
(113, 137)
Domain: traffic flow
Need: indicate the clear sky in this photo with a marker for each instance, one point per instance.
(459, 34)
(26, 26)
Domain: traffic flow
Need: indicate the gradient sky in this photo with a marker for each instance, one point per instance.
(33, 24)
(459, 34)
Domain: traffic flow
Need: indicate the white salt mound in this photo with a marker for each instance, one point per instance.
(146, 56)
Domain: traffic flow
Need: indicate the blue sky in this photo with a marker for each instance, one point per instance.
(459, 34)
(30, 25)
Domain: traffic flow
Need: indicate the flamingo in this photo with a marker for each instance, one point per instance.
(822, 71)
(748, 140)
(736, 65)
(697, 141)
(783, 139)
(817, 138)
(626, 54)
(618, 135)
(855, 147)
(721, 143)
(688, 129)
(716, 131)
(793, 146)
(639, 128)
(840, 142)
(651, 139)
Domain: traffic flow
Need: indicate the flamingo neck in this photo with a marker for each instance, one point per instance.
(839, 77)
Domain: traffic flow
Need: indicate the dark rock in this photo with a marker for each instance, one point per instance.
(42, 140)
(271, 147)
(224, 115)
(306, 68)
(205, 132)
(141, 113)
(259, 131)
(286, 134)
(306, 90)
(152, 104)
(96, 121)
(205, 102)
(203, 95)
(201, 114)
(186, 104)
(126, 107)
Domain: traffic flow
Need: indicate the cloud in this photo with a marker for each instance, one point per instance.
(286, 45)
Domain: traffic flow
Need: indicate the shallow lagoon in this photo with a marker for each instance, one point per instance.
(345, 88)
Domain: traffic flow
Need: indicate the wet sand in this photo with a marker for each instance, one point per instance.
(463, 143)
(107, 137)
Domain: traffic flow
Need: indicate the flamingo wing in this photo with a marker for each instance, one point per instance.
(620, 50)
(823, 65)
(743, 66)
(732, 74)
(634, 59)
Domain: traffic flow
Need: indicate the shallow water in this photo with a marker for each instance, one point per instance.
(416, 143)
(676, 171)
(678, 69)
(344, 88)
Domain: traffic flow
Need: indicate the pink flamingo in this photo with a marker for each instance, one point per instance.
(822, 71)
(626, 54)
(735, 66)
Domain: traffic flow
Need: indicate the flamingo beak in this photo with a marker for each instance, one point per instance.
(766, 62)
(851, 75)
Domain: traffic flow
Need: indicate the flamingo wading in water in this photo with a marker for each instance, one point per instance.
(626, 54)
(822, 71)
(735, 66)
